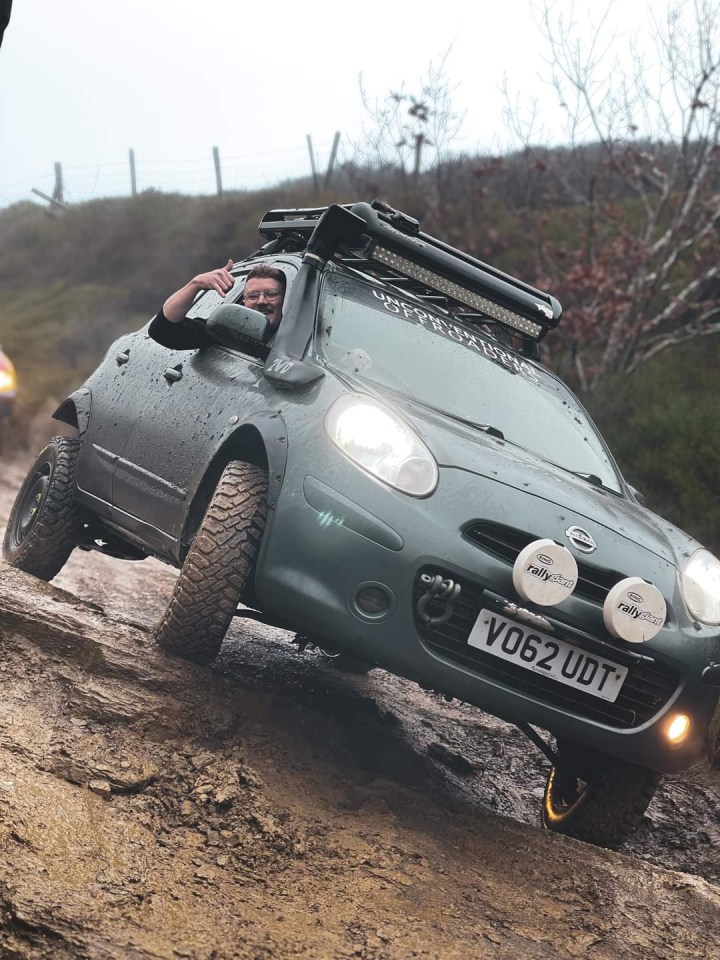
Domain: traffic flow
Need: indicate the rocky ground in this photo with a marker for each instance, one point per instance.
(273, 807)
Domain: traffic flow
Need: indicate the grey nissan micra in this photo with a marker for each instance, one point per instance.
(395, 477)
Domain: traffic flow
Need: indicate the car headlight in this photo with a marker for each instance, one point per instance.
(380, 442)
(700, 579)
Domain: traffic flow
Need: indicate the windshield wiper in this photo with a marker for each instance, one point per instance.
(592, 478)
(485, 427)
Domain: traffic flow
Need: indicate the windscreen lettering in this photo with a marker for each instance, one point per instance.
(452, 331)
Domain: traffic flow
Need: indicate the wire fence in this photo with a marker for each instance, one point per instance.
(80, 183)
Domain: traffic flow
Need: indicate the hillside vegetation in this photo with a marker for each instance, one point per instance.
(71, 284)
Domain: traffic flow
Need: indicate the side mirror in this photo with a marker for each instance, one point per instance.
(640, 497)
(240, 328)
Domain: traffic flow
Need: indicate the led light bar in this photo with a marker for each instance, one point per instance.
(457, 292)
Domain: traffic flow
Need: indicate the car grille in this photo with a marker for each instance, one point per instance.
(507, 542)
(647, 687)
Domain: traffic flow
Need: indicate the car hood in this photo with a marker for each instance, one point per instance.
(464, 448)
(460, 448)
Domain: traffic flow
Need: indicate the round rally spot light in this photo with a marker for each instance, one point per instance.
(634, 610)
(545, 573)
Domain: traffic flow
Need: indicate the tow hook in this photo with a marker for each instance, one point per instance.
(443, 590)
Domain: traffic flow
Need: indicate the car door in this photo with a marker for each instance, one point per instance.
(115, 390)
(194, 400)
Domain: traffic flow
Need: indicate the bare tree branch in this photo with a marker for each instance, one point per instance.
(639, 280)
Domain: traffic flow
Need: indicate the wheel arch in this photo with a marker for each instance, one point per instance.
(262, 441)
(75, 411)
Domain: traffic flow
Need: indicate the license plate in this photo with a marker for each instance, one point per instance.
(546, 655)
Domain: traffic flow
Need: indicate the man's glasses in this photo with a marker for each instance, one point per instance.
(254, 295)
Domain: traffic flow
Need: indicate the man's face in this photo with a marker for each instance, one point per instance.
(266, 295)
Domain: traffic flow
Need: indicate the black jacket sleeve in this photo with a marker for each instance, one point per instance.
(186, 335)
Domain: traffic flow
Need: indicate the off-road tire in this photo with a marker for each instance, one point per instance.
(596, 798)
(45, 523)
(218, 566)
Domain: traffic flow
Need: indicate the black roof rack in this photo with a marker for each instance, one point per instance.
(386, 244)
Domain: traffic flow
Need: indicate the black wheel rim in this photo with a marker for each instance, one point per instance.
(32, 501)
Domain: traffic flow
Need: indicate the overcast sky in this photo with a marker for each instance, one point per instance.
(82, 81)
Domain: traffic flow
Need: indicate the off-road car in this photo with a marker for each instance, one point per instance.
(395, 477)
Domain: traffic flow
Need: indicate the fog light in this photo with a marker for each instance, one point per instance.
(678, 728)
(373, 601)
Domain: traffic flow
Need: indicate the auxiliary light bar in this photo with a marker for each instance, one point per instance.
(454, 290)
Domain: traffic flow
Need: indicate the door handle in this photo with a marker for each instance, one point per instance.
(122, 357)
(173, 374)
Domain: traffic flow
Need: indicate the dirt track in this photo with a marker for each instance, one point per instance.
(272, 806)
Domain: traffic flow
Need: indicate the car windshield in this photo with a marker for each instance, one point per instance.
(399, 343)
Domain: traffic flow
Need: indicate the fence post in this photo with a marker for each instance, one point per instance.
(419, 140)
(55, 205)
(58, 191)
(331, 161)
(312, 164)
(133, 178)
(218, 172)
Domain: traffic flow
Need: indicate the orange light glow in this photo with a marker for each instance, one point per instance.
(678, 728)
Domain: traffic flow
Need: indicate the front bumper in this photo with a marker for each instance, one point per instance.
(336, 530)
